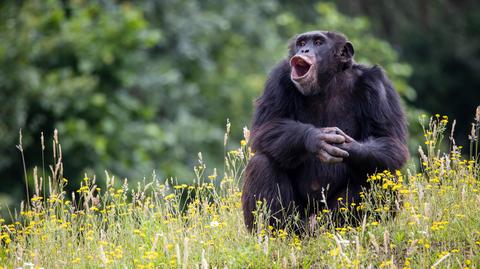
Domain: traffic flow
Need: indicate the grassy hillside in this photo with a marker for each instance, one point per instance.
(437, 220)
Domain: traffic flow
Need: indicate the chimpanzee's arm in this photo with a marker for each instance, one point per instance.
(383, 126)
(289, 142)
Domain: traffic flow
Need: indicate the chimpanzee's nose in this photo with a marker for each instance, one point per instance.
(305, 51)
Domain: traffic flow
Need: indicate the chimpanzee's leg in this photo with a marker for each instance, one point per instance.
(265, 181)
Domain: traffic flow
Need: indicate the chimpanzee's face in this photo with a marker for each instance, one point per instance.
(315, 57)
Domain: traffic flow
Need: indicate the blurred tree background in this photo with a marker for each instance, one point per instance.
(141, 86)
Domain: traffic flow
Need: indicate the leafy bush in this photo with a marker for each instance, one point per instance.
(137, 88)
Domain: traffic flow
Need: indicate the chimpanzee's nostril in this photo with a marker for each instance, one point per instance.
(305, 51)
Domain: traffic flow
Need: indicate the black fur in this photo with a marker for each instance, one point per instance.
(287, 124)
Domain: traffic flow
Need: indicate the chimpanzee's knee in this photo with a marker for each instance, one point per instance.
(265, 181)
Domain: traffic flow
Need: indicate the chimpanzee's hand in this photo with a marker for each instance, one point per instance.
(323, 142)
(353, 147)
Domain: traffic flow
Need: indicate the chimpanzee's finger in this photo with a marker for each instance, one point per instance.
(334, 151)
(327, 158)
(333, 138)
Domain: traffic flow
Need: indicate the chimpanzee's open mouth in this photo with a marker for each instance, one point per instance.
(301, 66)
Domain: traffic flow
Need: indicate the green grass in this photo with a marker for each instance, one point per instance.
(437, 222)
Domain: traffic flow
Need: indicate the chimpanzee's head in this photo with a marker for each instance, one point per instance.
(315, 57)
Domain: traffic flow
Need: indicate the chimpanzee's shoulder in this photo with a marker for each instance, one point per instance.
(371, 80)
(369, 73)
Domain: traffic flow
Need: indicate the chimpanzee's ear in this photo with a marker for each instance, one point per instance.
(347, 50)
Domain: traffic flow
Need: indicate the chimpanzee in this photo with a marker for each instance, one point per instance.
(323, 124)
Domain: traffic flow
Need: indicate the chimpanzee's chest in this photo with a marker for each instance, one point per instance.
(340, 111)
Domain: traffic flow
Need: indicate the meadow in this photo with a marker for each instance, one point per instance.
(425, 216)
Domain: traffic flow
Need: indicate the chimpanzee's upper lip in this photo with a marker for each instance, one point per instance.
(301, 66)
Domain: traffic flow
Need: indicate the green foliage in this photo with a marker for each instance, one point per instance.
(75, 69)
(136, 88)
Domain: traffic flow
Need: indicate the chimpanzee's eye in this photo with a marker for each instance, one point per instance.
(318, 42)
(301, 43)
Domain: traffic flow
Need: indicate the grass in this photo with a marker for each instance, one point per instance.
(158, 224)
